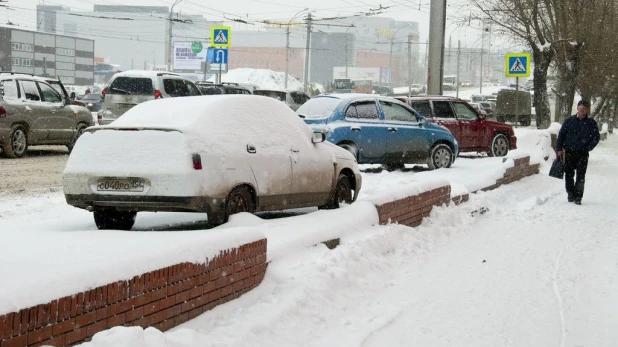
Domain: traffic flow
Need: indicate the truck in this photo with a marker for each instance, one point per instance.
(342, 86)
(514, 107)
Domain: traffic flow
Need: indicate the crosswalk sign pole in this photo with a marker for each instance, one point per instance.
(516, 101)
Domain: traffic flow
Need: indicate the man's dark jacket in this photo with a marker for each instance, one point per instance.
(578, 134)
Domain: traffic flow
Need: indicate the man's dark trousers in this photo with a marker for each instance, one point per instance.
(575, 161)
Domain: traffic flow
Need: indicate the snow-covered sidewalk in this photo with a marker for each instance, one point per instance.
(534, 270)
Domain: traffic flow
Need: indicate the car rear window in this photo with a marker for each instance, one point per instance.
(422, 107)
(318, 108)
(131, 85)
(271, 94)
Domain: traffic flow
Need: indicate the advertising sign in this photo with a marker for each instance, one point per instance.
(185, 57)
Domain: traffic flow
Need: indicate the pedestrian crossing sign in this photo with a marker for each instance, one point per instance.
(220, 36)
(517, 65)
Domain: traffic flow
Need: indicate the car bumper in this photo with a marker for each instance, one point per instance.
(138, 203)
(513, 142)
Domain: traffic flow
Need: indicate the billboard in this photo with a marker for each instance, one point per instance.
(373, 74)
(186, 59)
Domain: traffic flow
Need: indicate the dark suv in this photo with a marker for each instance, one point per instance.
(208, 88)
(473, 131)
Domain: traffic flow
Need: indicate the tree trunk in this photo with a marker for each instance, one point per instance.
(542, 59)
(567, 83)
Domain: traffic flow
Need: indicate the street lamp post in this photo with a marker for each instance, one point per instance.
(287, 46)
(390, 60)
(169, 37)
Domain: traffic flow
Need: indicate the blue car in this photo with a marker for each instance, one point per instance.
(380, 130)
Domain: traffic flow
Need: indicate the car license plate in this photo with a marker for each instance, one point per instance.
(125, 107)
(120, 185)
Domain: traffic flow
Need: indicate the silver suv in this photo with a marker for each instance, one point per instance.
(292, 98)
(129, 88)
(32, 112)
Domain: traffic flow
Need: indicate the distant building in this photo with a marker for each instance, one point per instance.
(70, 58)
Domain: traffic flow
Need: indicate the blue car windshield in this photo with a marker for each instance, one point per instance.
(318, 108)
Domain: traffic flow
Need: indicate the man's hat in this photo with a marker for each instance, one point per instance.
(584, 103)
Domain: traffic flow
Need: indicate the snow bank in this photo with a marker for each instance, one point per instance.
(414, 188)
(604, 128)
(263, 78)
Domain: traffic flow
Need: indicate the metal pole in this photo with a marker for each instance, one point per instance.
(307, 51)
(516, 101)
(458, 60)
(287, 56)
(346, 55)
(482, 46)
(409, 65)
(168, 54)
(390, 62)
(437, 22)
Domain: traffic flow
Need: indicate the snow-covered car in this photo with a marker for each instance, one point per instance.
(220, 154)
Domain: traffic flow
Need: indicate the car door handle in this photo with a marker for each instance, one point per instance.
(355, 128)
(295, 150)
(251, 149)
(392, 130)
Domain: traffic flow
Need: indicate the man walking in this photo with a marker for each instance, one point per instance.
(578, 135)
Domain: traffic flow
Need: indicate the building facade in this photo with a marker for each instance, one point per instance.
(69, 58)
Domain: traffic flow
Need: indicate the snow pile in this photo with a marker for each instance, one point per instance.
(604, 128)
(263, 78)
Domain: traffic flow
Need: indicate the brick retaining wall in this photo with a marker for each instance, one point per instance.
(162, 299)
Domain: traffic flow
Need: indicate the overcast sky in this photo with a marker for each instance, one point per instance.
(23, 12)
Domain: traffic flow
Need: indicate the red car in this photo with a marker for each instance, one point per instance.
(473, 131)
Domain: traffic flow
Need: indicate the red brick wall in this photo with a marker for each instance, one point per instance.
(410, 211)
(162, 299)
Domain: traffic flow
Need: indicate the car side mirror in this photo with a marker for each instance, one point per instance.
(67, 101)
(318, 137)
(482, 116)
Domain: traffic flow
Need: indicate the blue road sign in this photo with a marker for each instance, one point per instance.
(217, 55)
(518, 64)
(220, 36)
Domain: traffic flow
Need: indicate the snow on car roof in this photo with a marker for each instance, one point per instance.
(144, 73)
(216, 121)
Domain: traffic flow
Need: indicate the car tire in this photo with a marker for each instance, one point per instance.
(80, 131)
(440, 156)
(238, 200)
(18, 143)
(350, 148)
(111, 219)
(342, 194)
(499, 146)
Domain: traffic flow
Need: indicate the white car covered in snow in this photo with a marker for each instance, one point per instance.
(220, 154)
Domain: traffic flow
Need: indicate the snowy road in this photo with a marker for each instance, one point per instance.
(533, 271)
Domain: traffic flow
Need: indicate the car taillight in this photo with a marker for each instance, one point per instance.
(197, 161)
(158, 95)
(2, 112)
(103, 92)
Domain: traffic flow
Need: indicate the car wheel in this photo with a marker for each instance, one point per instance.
(342, 194)
(440, 156)
(80, 131)
(239, 200)
(18, 143)
(111, 219)
(350, 148)
(499, 146)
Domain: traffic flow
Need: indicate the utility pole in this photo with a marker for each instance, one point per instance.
(169, 51)
(437, 23)
(458, 60)
(307, 53)
(482, 47)
(287, 46)
(409, 65)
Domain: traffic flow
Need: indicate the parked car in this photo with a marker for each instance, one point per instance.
(466, 84)
(92, 102)
(208, 88)
(32, 112)
(292, 98)
(488, 107)
(220, 155)
(478, 98)
(473, 131)
(129, 88)
(380, 130)
(487, 83)
(477, 107)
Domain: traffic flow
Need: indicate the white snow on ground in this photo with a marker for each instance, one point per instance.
(66, 233)
(534, 270)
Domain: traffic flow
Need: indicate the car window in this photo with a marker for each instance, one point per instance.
(9, 90)
(193, 90)
(442, 109)
(367, 110)
(351, 112)
(170, 87)
(57, 87)
(423, 108)
(272, 93)
(299, 98)
(463, 112)
(396, 112)
(181, 88)
(131, 85)
(30, 90)
(48, 93)
(210, 90)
